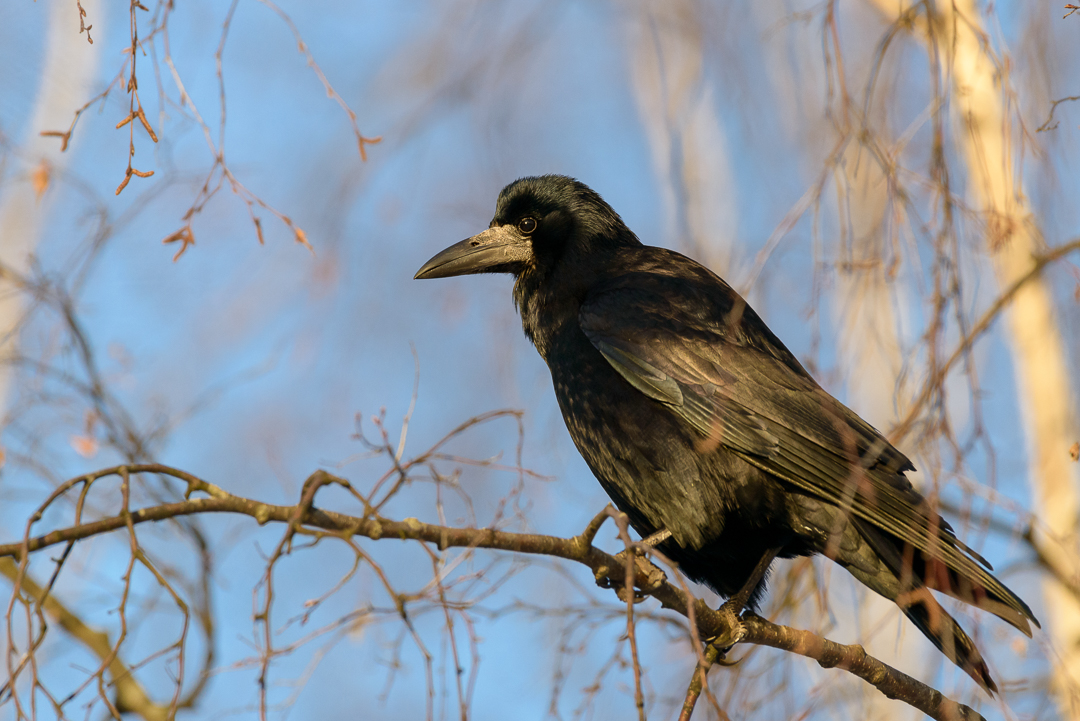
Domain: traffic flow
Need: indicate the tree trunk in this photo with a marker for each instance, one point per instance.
(67, 78)
(1039, 356)
(864, 305)
(676, 105)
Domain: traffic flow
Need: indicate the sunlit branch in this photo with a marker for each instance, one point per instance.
(607, 569)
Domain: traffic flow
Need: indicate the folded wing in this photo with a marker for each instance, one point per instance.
(745, 392)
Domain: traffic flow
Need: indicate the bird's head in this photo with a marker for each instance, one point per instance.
(538, 223)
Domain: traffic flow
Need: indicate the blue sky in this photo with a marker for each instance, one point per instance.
(466, 96)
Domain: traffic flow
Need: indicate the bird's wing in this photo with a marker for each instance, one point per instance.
(737, 386)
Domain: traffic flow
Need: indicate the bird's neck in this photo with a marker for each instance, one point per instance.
(549, 305)
(549, 295)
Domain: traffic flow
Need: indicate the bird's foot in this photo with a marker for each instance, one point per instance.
(647, 577)
(734, 630)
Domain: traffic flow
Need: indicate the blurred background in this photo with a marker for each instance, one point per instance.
(893, 187)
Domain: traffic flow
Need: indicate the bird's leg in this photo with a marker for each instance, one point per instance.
(733, 607)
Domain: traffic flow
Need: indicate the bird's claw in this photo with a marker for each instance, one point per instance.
(734, 630)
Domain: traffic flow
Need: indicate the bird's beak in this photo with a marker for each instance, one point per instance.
(498, 248)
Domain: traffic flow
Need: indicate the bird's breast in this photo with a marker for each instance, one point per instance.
(638, 451)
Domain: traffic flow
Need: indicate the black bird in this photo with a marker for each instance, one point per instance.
(705, 430)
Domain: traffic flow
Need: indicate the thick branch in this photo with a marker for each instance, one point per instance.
(709, 622)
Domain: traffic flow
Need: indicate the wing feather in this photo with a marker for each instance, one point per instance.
(759, 403)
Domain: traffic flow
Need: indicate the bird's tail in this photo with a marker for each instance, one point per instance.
(873, 562)
(945, 633)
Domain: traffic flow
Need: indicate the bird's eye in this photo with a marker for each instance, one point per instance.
(527, 225)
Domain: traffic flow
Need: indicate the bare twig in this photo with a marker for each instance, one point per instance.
(710, 623)
(934, 382)
(1046, 126)
(630, 597)
(698, 681)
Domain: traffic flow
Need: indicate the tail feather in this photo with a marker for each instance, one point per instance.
(945, 633)
(874, 559)
(915, 569)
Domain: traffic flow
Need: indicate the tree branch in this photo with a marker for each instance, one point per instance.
(607, 569)
(131, 697)
(981, 326)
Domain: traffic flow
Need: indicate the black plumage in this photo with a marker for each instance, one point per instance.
(700, 424)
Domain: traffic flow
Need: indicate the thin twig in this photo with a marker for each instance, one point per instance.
(828, 654)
